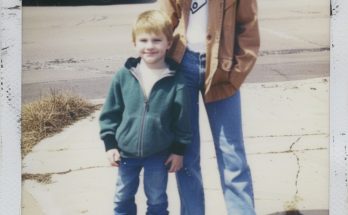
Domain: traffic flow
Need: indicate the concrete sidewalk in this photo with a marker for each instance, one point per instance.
(286, 129)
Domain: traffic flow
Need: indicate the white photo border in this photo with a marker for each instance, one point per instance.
(339, 109)
(10, 108)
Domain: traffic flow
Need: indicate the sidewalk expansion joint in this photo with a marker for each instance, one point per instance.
(288, 135)
(288, 151)
(64, 149)
(46, 178)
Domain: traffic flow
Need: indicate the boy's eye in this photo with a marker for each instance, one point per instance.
(143, 40)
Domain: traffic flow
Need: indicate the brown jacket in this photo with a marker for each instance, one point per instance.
(232, 42)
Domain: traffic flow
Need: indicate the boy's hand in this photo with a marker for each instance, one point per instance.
(175, 162)
(114, 157)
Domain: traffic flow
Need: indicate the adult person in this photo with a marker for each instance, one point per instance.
(216, 42)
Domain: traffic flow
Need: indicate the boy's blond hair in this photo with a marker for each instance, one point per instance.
(153, 21)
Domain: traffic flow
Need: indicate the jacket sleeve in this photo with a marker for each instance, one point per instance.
(111, 115)
(182, 122)
(172, 9)
(247, 38)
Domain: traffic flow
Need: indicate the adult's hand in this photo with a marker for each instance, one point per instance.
(175, 162)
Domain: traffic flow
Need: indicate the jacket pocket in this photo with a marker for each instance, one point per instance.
(157, 135)
(220, 77)
(127, 134)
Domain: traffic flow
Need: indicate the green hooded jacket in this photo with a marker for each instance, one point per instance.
(140, 126)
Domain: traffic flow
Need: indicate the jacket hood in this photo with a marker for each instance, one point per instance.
(133, 62)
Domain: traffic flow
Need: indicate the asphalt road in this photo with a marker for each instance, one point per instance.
(79, 48)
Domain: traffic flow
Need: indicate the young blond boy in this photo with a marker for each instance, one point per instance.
(144, 122)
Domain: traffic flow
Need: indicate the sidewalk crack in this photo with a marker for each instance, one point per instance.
(46, 178)
(292, 204)
(298, 163)
(287, 151)
(281, 74)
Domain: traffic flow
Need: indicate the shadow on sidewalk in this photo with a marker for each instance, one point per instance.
(302, 212)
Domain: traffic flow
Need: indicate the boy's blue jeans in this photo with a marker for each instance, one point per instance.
(226, 126)
(155, 185)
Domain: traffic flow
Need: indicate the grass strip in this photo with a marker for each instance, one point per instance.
(49, 115)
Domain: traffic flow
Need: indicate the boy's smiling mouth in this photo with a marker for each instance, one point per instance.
(150, 53)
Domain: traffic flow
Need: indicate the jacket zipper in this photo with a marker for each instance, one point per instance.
(141, 139)
(146, 109)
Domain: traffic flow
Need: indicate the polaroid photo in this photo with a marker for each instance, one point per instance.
(65, 53)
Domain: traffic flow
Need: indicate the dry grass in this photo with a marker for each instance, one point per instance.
(45, 178)
(41, 178)
(49, 115)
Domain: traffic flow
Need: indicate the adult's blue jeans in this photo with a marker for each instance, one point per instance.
(226, 127)
(155, 185)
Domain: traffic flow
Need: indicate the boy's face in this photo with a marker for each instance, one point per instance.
(152, 48)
